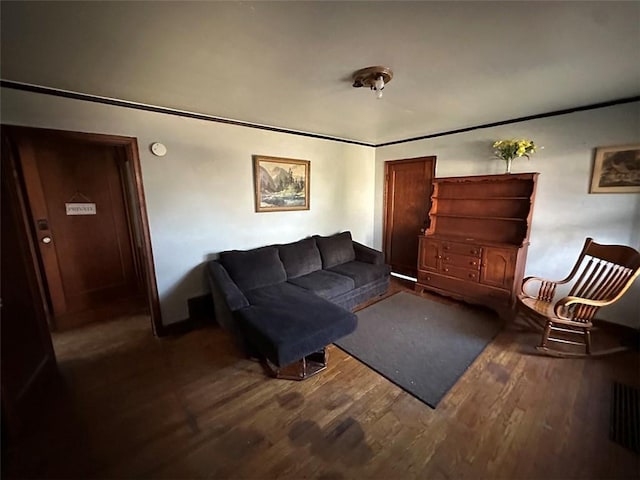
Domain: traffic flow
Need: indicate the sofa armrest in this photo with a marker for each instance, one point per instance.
(368, 255)
(228, 300)
(232, 295)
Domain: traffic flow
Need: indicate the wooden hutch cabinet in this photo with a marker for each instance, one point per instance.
(476, 245)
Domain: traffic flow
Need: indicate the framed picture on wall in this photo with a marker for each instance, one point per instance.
(281, 184)
(616, 170)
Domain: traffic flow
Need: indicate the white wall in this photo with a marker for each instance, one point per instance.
(565, 213)
(200, 198)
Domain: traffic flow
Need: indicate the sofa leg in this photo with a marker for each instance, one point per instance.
(302, 369)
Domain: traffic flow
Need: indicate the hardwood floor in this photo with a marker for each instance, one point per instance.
(134, 406)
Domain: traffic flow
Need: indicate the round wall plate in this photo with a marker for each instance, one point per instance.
(158, 149)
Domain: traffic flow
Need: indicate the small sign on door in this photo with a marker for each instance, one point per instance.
(80, 208)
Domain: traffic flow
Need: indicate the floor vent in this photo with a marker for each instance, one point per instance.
(624, 427)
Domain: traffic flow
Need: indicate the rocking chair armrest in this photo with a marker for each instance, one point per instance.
(540, 279)
(546, 289)
(528, 280)
(564, 302)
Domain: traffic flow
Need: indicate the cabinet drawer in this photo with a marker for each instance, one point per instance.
(463, 261)
(461, 249)
(424, 277)
(463, 289)
(440, 282)
(467, 274)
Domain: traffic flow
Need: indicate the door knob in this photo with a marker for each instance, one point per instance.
(46, 240)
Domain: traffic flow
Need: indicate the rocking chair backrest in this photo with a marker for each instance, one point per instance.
(602, 273)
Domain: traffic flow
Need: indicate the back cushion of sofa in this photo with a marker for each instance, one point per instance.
(300, 258)
(336, 249)
(256, 268)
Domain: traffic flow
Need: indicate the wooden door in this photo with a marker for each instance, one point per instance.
(28, 361)
(407, 202)
(76, 194)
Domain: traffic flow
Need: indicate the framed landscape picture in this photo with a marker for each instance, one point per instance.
(616, 170)
(281, 184)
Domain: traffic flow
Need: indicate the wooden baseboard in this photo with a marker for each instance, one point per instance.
(629, 336)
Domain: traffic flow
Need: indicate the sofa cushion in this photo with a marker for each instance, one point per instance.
(255, 268)
(296, 324)
(324, 283)
(361, 273)
(300, 258)
(282, 293)
(336, 249)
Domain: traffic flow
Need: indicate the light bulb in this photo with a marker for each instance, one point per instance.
(378, 86)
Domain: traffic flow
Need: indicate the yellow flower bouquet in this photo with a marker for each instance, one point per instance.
(507, 150)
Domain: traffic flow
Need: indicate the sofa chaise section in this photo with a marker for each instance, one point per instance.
(285, 323)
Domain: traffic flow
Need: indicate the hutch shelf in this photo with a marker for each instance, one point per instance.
(475, 248)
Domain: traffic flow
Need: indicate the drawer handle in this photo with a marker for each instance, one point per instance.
(447, 258)
(472, 275)
(474, 263)
(446, 247)
(474, 252)
(446, 269)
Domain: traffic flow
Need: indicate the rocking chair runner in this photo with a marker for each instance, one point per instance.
(601, 276)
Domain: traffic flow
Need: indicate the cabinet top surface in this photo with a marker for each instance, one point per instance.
(472, 241)
(487, 178)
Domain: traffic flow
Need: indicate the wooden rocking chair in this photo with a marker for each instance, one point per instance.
(601, 276)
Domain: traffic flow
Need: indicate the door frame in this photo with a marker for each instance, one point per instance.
(387, 203)
(21, 408)
(129, 146)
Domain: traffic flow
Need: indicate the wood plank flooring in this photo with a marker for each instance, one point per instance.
(134, 406)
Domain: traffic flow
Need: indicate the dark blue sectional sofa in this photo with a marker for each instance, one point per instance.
(284, 303)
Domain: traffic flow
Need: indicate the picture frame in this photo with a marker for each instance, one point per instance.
(281, 184)
(616, 169)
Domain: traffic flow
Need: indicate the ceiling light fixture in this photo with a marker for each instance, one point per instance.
(373, 77)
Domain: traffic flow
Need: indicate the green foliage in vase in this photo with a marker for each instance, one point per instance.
(510, 149)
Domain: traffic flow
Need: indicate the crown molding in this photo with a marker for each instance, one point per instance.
(27, 87)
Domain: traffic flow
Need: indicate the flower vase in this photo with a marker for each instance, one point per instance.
(509, 160)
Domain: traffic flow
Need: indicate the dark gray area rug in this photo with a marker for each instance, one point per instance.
(420, 345)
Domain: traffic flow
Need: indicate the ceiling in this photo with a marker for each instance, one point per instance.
(289, 64)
